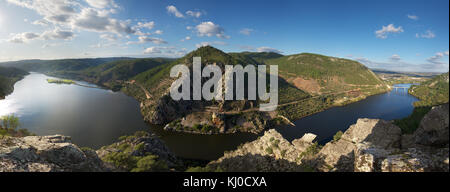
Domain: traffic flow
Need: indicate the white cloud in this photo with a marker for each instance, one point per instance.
(158, 32)
(413, 17)
(428, 35)
(93, 20)
(203, 44)
(140, 33)
(196, 14)
(109, 37)
(152, 50)
(210, 29)
(173, 10)
(23, 37)
(383, 33)
(436, 59)
(56, 11)
(189, 27)
(41, 22)
(101, 4)
(395, 58)
(187, 38)
(58, 34)
(47, 35)
(165, 51)
(152, 39)
(268, 49)
(246, 31)
(147, 25)
(146, 39)
(72, 14)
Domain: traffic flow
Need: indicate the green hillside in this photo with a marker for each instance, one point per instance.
(432, 92)
(259, 57)
(123, 69)
(8, 77)
(45, 66)
(320, 74)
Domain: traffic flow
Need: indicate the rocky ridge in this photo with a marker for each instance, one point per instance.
(46, 154)
(370, 145)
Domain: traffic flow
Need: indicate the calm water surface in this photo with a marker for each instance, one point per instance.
(95, 117)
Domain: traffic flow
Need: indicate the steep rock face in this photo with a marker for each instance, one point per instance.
(370, 145)
(339, 155)
(271, 152)
(424, 150)
(46, 154)
(433, 129)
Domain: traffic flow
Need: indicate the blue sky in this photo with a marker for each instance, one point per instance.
(397, 35)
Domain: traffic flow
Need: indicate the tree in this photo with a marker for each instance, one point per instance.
(10, 122)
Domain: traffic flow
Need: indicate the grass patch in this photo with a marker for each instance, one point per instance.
(412, 122)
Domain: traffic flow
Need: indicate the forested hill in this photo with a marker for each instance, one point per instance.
(319, 74)
(9, 76)
(45, 66)
(432, 92)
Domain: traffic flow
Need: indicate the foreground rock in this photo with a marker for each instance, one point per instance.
(271, 152)
(433, 129)
(140, 152)
(46, 154)
(370, 145)
(339, 155)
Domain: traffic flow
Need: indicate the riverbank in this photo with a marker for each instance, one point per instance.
(231, 124)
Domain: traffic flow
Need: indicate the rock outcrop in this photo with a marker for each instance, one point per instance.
(339, 155)
(134, 147)
(270, 152)
(46, 154)
(370, 145)
(433, 129)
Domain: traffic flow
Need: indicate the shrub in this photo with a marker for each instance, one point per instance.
(150, 163)
(204, 169)
(337, 136)
(10, 122)
(311, 150)
(409, 124)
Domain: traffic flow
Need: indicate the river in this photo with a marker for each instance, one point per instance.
(95, 117)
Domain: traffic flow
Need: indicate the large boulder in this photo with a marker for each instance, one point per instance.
(303, 143)
(433, 129)
(46, 154)
(368, 158)
(340, 155)
(417, 160)
(374, 131)
(270, 152)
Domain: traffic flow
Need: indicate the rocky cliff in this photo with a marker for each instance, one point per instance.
(46, 154)
(370, 145)
(140, 152)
